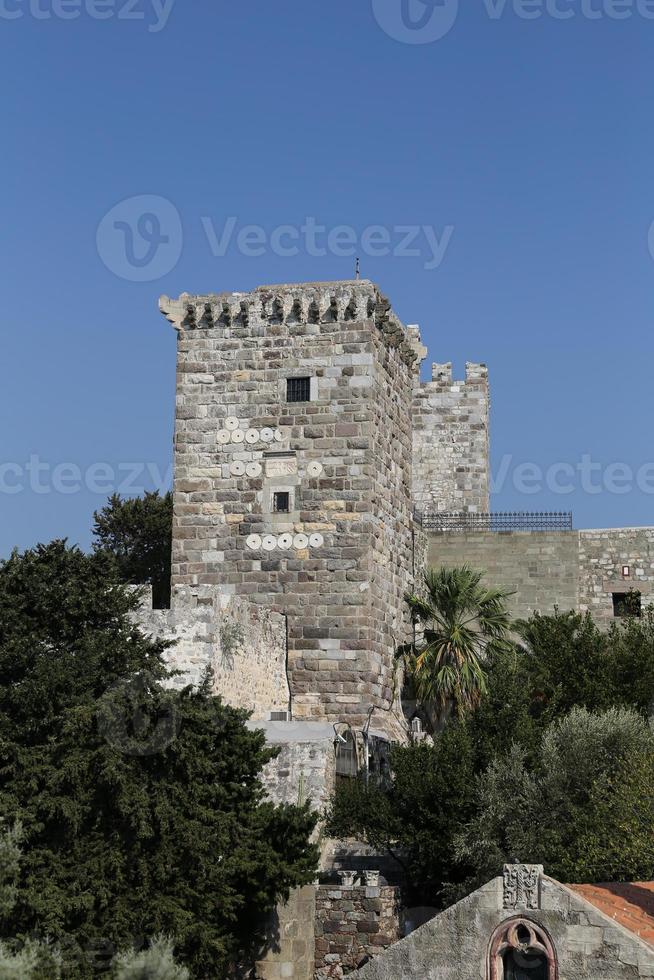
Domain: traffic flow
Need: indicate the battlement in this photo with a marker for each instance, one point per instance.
(442, 374)
(292, 304)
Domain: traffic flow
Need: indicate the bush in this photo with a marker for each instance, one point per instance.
(155, 963)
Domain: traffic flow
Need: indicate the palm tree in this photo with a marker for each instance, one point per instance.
(464, 623)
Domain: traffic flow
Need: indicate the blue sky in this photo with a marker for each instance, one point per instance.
(524, 146)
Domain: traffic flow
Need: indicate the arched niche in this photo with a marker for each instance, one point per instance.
(520, 949)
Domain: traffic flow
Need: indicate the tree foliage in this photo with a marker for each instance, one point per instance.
(142, 806)
(155, 963)
(463, 623)
(416, 817)
(531, 756)
(585, 810)
(137, 534)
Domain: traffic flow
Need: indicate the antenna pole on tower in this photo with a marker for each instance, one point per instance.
(357, 271)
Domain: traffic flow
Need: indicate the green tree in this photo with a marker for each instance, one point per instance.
(137, 534)
(28, 959)
(415, 817)
(464, 623)
(585, 810)
(142, 806)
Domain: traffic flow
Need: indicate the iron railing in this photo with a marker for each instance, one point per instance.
(499, 521)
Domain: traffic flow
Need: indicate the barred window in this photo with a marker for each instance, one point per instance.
(281, 502)
(298, 389)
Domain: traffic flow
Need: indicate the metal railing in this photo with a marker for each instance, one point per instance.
(499, 521)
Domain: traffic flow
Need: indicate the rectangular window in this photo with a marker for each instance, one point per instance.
(298, 389)
(281, 502)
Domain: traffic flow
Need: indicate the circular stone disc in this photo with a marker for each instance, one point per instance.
(252, 436)
(267, 435)
(279, 435)
(285, 541)
(300, 541)
(253, 469)
(231, 423)
(316, 541)
(223, 437)
(314, 469)
(254, 542)
(237, 468)
(269, 542)
(238, 435)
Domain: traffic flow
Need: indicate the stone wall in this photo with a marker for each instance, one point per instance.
(244, 644)
(305, 768)
(570, 569)
(540, 567)
(291, 939)
(455, 944)
(353, 925)
(338, 562)
(451, 463)
(602, 555)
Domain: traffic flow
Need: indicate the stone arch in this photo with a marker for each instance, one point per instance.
(522, 937)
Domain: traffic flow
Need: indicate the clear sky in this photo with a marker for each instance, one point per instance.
(515, 150)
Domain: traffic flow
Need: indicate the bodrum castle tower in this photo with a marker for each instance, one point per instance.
(299, 411)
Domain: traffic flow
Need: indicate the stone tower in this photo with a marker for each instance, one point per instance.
(293, 477)
(451, 460)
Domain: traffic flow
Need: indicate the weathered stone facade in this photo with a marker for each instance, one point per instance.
(244, 646)
(540, 568)
(603, 555)
(546, 569)
(461, 943)
(451, 468)
(353, 925)
(339, 561)
(291, 939)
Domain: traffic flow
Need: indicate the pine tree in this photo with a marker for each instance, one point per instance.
(142, 807)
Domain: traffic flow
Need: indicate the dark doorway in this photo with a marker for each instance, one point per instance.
(525, 966)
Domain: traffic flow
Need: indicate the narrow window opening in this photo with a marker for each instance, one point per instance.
(281, 502)
(298, 389)
(347, 762)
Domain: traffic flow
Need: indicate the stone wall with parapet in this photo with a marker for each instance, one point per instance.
(578, 570)
(456, 944)
(540, 568)
(353, 925)
(603, 554)
(244, 645)
(451, 461)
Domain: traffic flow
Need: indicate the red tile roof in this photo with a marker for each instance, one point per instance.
(629, 903)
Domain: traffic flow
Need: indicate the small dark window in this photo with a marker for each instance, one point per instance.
(627, 604)
(281, 502)
(298, 389)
